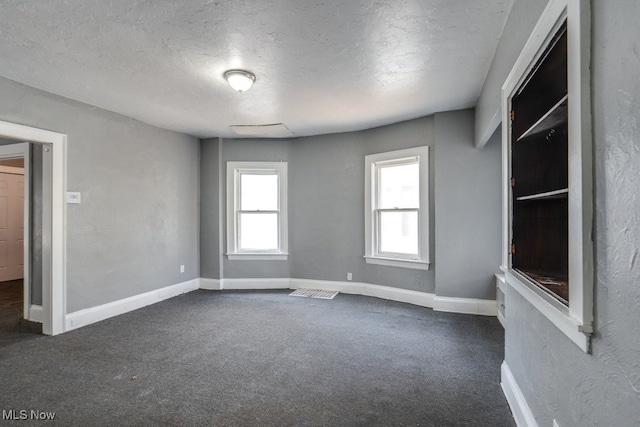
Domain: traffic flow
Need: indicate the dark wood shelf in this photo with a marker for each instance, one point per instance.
(557, 115)
(540, 173)
(548, 195)
(543, 88)
(554, 283)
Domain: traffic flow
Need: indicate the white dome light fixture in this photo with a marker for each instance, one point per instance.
(240, 80)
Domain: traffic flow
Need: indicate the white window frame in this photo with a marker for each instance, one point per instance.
(576, 320)
(234, 171)
(372, 163)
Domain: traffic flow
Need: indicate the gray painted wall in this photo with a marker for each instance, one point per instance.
(519, 24)
(327, 213)
(468, 209)
(326, 206)
(251, 150)
(138, 220)
(209, 208)
(36, 224)
(557, 379)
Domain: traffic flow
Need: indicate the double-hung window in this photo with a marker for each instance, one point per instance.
(396, 208)
(257, 210)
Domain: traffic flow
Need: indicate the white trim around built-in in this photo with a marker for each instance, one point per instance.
(576, 320)
(424, 299)
(519, 407)
(87, 316)
(551, 308)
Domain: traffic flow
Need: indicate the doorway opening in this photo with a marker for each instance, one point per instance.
(20, 241)
(44, 213)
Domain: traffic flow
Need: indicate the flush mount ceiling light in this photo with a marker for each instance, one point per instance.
(240, 80)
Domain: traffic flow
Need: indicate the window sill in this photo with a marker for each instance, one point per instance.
(395, 262)
(549, 307)
(257, 257)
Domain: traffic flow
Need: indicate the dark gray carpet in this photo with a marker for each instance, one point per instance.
(12, 326)
(238, 358)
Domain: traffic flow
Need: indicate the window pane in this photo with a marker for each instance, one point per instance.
(258, 231)
(399, 232)
(258, 192)
(399, 186)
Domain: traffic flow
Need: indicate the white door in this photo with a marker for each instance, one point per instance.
(11, 226)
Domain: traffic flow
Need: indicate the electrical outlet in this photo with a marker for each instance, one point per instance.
(182, 268)
(349, 276)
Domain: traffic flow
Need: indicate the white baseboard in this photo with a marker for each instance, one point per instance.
(424, 299)
(87, 316)
(209, 284)
(35, 313)
(278, 283)
(355, 288)
(519, 407)
(466, 305)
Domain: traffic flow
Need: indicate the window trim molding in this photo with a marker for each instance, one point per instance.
(575, 321)
(234, 169)
(422, 262)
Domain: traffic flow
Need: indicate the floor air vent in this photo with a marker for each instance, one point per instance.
(313, 293)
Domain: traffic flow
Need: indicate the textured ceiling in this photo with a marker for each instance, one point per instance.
(321, 66)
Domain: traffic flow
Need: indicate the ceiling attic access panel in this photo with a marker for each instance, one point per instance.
(539, 183)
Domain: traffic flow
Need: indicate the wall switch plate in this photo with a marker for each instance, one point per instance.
(182, 269)
(349, 276)
(74, 197)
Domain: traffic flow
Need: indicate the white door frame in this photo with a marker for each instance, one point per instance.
(54, 220)
(17, 151)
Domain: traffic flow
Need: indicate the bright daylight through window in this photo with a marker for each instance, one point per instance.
(397, 208)
(256, 210)
(396, 216)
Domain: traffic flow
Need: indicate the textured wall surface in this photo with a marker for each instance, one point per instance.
(370, 63)
(252, 150)
(36, 224)
(521, 20)
(468, 209)
(557, 379)
(210, 260)
(326, 206)
(327, 214)
(138, 220)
